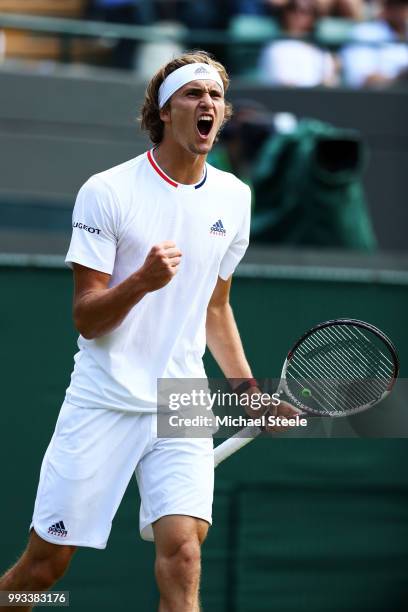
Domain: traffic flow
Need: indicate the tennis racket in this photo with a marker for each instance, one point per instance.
(336, 369)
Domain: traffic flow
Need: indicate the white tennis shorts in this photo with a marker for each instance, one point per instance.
(90, 461)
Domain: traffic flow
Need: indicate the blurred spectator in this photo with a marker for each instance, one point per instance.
(346, 9)
(297, 62)
(128, 12)
(379, 52)
(158, 51)
(349, 9)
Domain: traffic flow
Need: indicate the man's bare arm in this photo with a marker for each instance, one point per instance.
(223, 338)
(99, 309)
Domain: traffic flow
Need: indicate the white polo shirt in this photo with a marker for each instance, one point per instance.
(119, 215)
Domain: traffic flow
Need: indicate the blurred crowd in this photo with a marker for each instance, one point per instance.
(358, 43)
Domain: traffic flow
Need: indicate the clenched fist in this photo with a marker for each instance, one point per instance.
(160, 265)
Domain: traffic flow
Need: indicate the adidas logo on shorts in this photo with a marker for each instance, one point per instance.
(58, 529)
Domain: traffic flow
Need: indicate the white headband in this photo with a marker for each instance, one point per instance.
(185, 74)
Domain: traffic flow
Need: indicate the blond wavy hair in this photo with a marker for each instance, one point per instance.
(150, 113)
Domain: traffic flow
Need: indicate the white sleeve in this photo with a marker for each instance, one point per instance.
(94, 228)
(239, 245)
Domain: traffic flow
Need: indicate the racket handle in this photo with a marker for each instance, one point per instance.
(237, 441)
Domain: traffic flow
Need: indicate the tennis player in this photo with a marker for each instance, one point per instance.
(154, 244)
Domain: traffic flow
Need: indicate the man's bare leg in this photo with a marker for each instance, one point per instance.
(178, 561)
(38, 568)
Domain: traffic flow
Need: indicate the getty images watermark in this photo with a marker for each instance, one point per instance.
(202, 408)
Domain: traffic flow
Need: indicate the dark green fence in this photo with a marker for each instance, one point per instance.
(312, 525)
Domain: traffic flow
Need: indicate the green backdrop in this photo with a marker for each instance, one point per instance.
(311, 525)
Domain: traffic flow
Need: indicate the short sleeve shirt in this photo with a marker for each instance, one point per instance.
(119, 215)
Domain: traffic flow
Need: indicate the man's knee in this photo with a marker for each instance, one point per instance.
(46, 563)
(188, 553)
(178, 549)
(180, 562)
(46, 572)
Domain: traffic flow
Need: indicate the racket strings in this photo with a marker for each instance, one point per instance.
(322, 380)
(321, 396)
(384, 364)
(386, 358)
(324, 401)
(326, 393)
(365, 376)
(349, 353)
(335, 369)
(380, 368)
(336, 393)
(322, 387)
(363, 365)
(328, 374)
(344, 368)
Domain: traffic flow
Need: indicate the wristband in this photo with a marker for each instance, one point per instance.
(246, 385)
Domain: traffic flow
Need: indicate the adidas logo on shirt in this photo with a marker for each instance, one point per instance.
(218, 229)
(58, 529)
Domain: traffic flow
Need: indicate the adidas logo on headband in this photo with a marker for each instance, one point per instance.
(201, 70)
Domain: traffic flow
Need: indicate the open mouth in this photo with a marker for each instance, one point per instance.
(204, 124)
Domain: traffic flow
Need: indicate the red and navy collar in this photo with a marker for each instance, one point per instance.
(170, 181)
